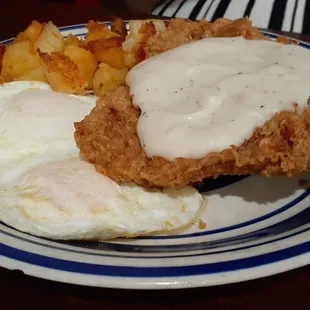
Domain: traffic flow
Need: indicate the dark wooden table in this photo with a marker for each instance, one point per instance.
(18, 291)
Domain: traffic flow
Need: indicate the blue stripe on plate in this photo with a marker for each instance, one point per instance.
(237, 226)
(287, 225)
(154, 272)
(297, 221)
(167, 256)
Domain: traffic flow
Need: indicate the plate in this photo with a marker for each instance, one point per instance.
(255, 227)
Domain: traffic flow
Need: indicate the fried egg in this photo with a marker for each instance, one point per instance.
(68, 199)
(47, 190)
(36, 125)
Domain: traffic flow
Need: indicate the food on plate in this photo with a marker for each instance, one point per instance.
(85, 61)
(211, 107)
(98, 31)
(118, 26)
(108, 51)
(74, 40)
(37, 124)
(147, 38)
(47, 190)
(106, 79)
(50, 39)
(202, 100)
(63, 74)
(68, 199)
(41, 53)
(20, 60)
(31, 33)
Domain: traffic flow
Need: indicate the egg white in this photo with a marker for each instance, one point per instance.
(46, 190)
(36, 125)
(68, 199)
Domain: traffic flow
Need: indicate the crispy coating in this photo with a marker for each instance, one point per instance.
(150, 37)
(107, 137)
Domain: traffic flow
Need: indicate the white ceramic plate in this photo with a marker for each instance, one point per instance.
(255, 227)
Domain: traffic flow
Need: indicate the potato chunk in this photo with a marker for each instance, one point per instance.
(63, 74)
(118, 26)
(97, 31)
(74, 40)
(19, 60)
(50, 39)
(107, 78)
(108, 51)
(85, 60)
(31, 33)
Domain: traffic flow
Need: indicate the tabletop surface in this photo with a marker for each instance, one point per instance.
(23, 292)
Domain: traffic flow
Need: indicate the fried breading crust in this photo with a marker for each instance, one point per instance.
(151, 37)
(107, 137)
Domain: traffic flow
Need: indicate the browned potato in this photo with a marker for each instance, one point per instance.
(118, 26)
(107, 78)
(85, 60)
(98, 31)
(50, 39)
(63, 74)
(31, 33)
(19, 59)
(108, 51)
(34, 75)
(73, 40)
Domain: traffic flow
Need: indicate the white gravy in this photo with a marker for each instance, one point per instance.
(205, 96)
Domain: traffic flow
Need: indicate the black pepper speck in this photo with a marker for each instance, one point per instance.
(261, 106)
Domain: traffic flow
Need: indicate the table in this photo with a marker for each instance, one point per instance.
(18, 291)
